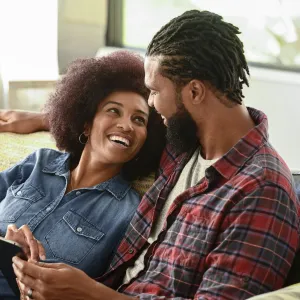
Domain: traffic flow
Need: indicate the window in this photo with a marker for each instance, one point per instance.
(28, 31)
(270, 28)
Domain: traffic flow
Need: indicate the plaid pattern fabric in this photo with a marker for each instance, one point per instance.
(232, 236)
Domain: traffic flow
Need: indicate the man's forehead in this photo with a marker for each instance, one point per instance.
(151, 69)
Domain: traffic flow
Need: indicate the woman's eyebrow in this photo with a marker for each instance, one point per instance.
(120, 104)
(113, 102)
(142, 112)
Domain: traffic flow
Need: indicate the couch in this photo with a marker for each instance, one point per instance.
(15, 147)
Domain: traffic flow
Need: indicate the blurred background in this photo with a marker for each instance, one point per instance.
(39, 38)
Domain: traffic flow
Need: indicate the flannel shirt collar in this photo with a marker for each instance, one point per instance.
(229, 165)
(117, 185)
(231, 162)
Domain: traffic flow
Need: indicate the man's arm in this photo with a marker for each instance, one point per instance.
(256, 248)
(22, 122)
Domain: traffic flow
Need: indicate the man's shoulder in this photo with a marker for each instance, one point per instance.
(271, 165)
(267, 168)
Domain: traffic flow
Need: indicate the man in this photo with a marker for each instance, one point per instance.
(222, 219)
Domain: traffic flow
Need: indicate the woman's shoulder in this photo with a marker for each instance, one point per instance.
(48, 155)
(44, 157)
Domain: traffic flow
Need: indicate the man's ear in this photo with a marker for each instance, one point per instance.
(197, 91)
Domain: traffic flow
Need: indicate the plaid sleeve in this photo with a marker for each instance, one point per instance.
(256, 247)
(254, 250)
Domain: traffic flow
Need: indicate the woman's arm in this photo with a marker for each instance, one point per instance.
(22, 122)
(60, 281)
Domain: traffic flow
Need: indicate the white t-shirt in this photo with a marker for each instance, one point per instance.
(191, 174)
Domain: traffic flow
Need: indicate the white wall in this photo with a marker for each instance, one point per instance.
(277, 94)
(81, 29)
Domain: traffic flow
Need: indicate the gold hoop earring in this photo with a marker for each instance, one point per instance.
(80, 139)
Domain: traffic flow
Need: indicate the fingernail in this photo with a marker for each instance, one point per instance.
(43, 257)
(16, 260)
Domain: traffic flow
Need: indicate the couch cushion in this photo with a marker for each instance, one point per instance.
(15, 147)
(288, 293)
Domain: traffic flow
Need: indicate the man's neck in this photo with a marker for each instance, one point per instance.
(223, 130)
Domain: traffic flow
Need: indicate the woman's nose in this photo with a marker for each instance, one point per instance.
(126, 126)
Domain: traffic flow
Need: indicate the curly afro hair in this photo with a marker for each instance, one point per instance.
(74, 104)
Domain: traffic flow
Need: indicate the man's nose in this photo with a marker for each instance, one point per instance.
(150, 101)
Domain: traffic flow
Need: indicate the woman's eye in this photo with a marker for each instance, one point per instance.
(113, 110)
(153, 93)
(140, 120)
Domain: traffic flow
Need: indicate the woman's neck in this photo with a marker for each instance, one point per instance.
(90, 172)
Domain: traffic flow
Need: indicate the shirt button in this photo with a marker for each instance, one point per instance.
(48, 208)
(78, 193)
(131, 251)
(19, 193)
(78, 229)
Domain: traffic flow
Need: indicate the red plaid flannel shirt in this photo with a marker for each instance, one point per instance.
(231, 236)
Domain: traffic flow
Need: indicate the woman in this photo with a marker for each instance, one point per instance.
(78, 203)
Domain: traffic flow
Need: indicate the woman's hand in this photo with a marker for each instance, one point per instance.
(32, 248)
(59, 281)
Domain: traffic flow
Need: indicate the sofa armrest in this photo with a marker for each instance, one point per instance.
(15, 147)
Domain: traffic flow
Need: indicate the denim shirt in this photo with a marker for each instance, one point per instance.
(82, 228)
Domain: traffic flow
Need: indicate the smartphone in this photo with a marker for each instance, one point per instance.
(9, 249)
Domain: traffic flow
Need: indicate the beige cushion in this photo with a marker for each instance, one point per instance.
(289, 293)
(15, 147)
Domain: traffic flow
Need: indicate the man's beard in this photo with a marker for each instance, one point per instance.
(182, 131)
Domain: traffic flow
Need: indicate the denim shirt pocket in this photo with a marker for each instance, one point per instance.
(77, 233)
(18, 199)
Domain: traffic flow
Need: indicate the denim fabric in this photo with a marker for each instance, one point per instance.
(82, 228)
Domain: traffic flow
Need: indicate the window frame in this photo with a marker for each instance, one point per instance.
(114, 36)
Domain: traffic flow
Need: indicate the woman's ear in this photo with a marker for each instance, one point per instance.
(87, 129)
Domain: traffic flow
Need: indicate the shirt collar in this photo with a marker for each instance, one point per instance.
(245, 148)
(230, 163)
(58, 166)
(117, 186)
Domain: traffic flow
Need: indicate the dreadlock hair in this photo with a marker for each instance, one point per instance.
(201, 45)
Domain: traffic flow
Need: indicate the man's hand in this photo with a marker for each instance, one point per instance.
(22, 122)
(59, 281)
(32, 248)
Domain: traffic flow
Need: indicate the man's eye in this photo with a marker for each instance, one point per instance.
(153, 93)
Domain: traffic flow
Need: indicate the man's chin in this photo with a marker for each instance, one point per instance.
(181, 132)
